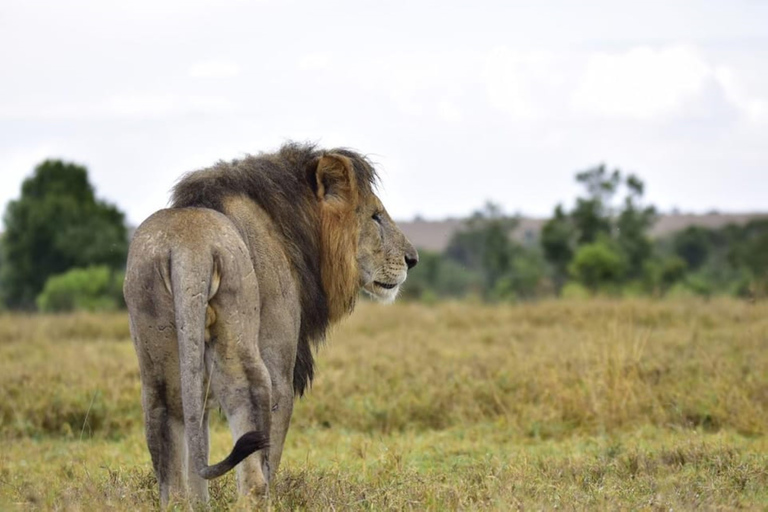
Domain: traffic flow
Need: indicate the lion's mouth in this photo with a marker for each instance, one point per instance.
(386, 286)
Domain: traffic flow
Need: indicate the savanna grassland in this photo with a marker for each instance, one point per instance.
(635, 404)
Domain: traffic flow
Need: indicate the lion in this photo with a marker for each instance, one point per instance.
(229, 290)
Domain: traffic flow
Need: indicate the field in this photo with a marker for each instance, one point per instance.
(635, 404)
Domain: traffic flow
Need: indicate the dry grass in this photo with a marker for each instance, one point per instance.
(631, 404)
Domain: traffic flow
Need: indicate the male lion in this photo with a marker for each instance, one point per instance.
(228, 289)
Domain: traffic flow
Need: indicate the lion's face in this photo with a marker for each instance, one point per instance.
(361, 245)
(384, 254)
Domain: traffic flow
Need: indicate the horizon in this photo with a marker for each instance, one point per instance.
(418, 217)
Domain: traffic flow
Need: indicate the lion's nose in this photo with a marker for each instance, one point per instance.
(411, 259)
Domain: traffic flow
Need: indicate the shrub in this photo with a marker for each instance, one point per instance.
(436, 276)
(597, 265)
(96, 288)
(573, 290)
(662, 273)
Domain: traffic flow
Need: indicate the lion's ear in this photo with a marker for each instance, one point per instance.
(335, 179)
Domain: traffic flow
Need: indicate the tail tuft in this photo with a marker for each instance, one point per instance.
(248, 443)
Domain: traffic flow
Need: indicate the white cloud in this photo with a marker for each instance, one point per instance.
(520, 82)
(120, 106)
(417, 83)
(754, 108)
(162, 106)
(214, 69)
(315, 61)
(449, 110)
(642, 83)
(202, 104)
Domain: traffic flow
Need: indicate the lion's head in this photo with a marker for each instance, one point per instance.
(362, 247)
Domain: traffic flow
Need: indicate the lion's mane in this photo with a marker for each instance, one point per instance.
(284, 185)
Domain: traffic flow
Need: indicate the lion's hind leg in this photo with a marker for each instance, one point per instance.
(239, 378)
(198, 486)
(155, 343)
(154, 334)
(165, 440)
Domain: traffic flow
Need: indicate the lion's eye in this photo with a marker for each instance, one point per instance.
(377, 217)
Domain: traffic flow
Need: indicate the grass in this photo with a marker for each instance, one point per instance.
(635, 404)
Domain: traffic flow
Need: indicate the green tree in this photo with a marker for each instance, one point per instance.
(661, 273)
(592, 214)
(55, 225)
(526, 277)
(729, 260)
(598, 265)
(632, 225)
(439, 276)
(485, 247)
(597, 219)
(485, 244)
(693, 244)
(558, 242)
(749, 248)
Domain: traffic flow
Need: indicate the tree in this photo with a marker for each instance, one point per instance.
(485, 245)
(525, 278)
(597, 219)
(55, 225)
(661, 273)
(598, 265)
(693, 244)
(558, 242)
(437, 276)
(750, 248)
(592, 214)
(632, 225)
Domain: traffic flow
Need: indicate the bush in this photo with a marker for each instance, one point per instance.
(95, 288)
(660, 274)
(598, 265)
(526, 279)
(634, 289)
(436, 276)
(573, 290)
(681, 290)
(699, 284)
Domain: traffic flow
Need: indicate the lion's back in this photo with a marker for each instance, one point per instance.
(193, 240)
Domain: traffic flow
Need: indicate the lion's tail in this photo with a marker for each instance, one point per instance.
(192, 289)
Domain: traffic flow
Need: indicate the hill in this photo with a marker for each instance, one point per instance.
(434, 235)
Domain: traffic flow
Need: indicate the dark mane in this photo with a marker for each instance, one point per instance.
(283, 184)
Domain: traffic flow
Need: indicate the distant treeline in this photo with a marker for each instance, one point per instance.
(601, 245)
(63, 249)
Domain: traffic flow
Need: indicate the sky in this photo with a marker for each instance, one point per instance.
(458, 103)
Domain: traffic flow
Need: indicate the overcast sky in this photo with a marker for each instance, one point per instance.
(458, 102)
